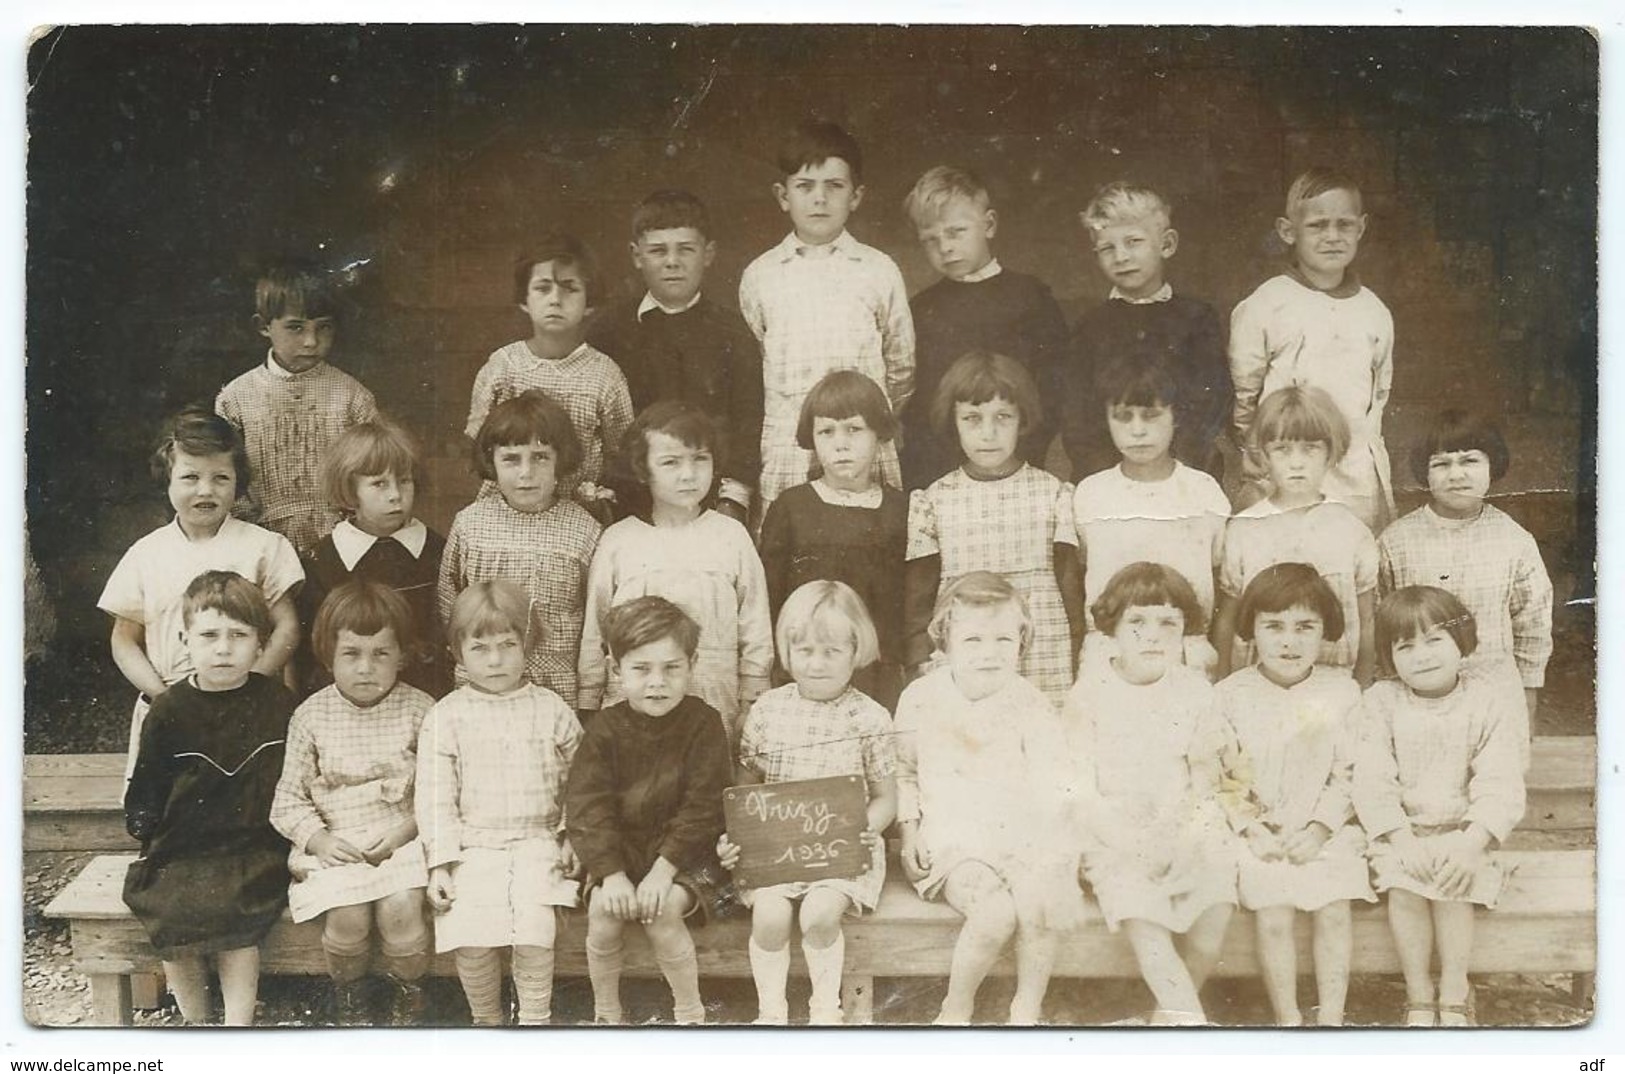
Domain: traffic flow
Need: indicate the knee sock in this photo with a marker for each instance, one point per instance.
(533, 980)
(347, 962)
(824, 966)
(771, 969)
(604, 965)
(682, 972)
(408, 961)
(480, 971)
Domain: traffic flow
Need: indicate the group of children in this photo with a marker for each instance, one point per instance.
(693, 563)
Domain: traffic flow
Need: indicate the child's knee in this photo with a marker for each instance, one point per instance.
(401, 915)
(348, 924)
(770, 922)
(821, 914)
(1275, 923)
(1334, 915)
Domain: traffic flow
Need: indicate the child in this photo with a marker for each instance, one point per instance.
(1141, 322)
(675, 343)
(695, 557)
(820, 301)
(980, 803)
(976, 305)
(371, 474)
(528, 534)
(1150, 506)
(200, 458)
(291, 407)
(1301, 435)
(996, 513)
(645, 806)
(845, 525)
(1472, 548)
(1438, 782)
(1288, 772)
(1157, 850)
(345, 802)
(1316, 325)
(492, 760)
(212, 877)
(555, 287)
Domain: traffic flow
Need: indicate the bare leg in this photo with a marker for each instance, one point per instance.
(1205, 942)
(1278, 959)
(1334, 950)
(239, 984)
(1035, 961)
(1453, 931)
(1412, 924)
(1164, 972)
(978, 893)
(189, 980)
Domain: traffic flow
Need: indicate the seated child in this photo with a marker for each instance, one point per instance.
(644, 804)
(345, 802)
(493, 757)
(212, 877)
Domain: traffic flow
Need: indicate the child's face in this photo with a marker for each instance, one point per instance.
(988, 433)
(383, 502)
(1324, 233)
(1458, 482)
(957, 241)
(822, 667)
(654, 677)
(672, 262)
(527, 475)
(201, 490)
(1150, 640)
(846, 450)
(1429, 663)
(223, 650)
(679, 475)
(495, 663)
(1297, 469)
(556, 301)
(1288, 643)
(298, 342)
(983, 646)
(1131, 254)
(365, 666)
(819, 198)
(1143, 434)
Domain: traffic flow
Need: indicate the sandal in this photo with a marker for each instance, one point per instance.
(1421, 1015)
(1460, 1015)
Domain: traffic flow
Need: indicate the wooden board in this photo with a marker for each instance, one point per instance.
(806, 829)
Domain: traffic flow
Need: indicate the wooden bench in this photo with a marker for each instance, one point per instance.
(1545, 924)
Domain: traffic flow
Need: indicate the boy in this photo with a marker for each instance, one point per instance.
(1315, 324)
(674, 343)
(976, 306)
(1141, 322)
(821, 301)
(290, 408)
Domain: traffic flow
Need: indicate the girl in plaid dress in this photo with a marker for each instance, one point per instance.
(996, 513)
(815, 727)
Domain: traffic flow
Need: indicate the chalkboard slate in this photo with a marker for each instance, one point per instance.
(798, 830)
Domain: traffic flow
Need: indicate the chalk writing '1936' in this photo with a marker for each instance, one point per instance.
(764, 805)
(811, 853)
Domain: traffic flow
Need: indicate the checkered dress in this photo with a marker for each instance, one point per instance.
(1009, 526)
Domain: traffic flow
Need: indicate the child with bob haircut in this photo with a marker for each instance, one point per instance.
(845, 525)
(493, 757)
(1292, 729)
(212, 877)
(645, 806)
(529, 534)
(820, 725)
(345, 802)
(1438, 784)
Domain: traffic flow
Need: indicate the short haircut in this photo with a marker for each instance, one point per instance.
(494, 606)
(295, 288)
(1120, 383)
(1317, 181)
(1125, 203)
(1304, 413)
(1417, 609)
(1284, 586)
(197, 430)
(978, 589)
(645, 620)
(814, 141)
(843, 394)
(681, 420)
(233, 596)
(1461, 430)
(529, 417)
(373, 447)
(978, 377)
(940, 185)
(665, 210)
(826, 610)
(563, 250)
(363, 608)
(1146, 585)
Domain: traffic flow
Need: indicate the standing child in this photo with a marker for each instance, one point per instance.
(212, 877)
(1288, 779)
(345, 802)
(1315, 324)
(493, 756)
(1157, 850)
(293, 405)
(845, 525)
(816, 727)
(1438, 783)
(996, 513)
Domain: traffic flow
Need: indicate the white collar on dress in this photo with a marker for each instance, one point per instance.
(1162, 294)
(835, 497)
(352, 543)
(650, 304)
(986, 272)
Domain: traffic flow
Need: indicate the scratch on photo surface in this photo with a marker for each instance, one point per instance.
(57, 32)
(693, 102)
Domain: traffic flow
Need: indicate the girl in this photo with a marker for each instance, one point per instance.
(845, 525)
(1288, 772)
(492, 760)
(1301, 433)
(1438, 782)
(529, 535)
(996, 513)
(819, 725)
(1157, 850)
(979, 788)
(682, 550)
(371, 474)
(212, 877)
(345, 801)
